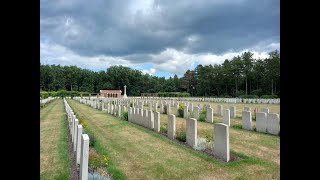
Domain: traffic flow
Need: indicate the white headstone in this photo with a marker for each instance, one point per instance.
(233, 111)
(261, 122)
(246, 120)
(221, 147)
(84, 158)
(209, 115)
(192, 132)
(226, 117)
(157, 121)
(171, 126)
(79, 143)
(273, 123)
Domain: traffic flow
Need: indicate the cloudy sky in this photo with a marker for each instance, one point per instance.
(159, 37)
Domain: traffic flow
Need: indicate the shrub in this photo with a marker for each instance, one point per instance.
(131, 105)
(269, 96)
(241, 93)
(226, 96)
(257, 92)
(163, 129)
(203, 115)
(237, 126)
(83, 123)
(203, 143)
(97, 161)
(92, 138)
(209, 137)
(125, 115)
(249, 96)
(180, 110)
(173, 94)
(63, 93)
(44, 94)
(181, 134)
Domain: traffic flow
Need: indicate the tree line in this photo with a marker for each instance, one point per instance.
(239, 76)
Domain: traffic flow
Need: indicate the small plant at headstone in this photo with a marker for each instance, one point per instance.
(237, 126)
(209, 137)
(163, 129)
(98, 165)
(203, 144)
(203, 115)
(83, 123)
(181, 134)
(180, 110)
(125, 115)
(92, 138)
(131, 105)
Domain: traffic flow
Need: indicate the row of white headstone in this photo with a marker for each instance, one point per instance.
(265, 122)
(80, 142)
(145, 118)
(227, 100)
(45, 101)
(221, 148)
(151, 120)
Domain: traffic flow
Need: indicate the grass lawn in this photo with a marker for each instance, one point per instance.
(54, 161)
(139, 153)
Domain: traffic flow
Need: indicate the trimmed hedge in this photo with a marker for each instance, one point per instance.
(249, 96)
(62, 93)
(269, 96)
(173, 94)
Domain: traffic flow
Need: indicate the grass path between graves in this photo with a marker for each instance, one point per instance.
(54, 161)
(250, 143)
(140, 153)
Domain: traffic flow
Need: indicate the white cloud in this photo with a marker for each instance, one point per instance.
(178, 62)
(150, 71)
(56, 54)
(170, 60)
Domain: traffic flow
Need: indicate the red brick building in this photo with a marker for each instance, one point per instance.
(110, 93)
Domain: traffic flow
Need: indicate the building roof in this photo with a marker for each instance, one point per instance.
(110, 91)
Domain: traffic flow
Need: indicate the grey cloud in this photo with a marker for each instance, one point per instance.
(119, 28)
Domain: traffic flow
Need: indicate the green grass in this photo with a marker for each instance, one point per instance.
(54, 161)
(140, 153)
(112, 169)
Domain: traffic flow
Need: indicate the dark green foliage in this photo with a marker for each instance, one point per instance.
(165, 109)
(180, 110)
(181, 136)
(125, 115)
(269, 96)
(92, 138)
(239, 76)
(173, 94)
(257, 92)
(237, 126)
(163, 129)
(202, 117)
(62, 93)
(249, 96)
